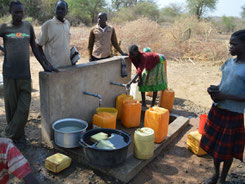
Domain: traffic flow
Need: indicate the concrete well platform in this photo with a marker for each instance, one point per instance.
(132, 166)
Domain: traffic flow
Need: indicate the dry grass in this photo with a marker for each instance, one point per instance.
(186, 38)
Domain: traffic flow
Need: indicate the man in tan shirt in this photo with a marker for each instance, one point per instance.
(55, 36)
(101, 37)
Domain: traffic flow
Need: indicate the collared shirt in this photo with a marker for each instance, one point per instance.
(16, 41)
(147, 60)
(55, 36)
(11, 161)
(233, 83)
(100, 41)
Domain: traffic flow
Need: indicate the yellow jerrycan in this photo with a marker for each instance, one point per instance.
(131, 113)
(157, 118)
(119, 102)
(167, 99)
(104, 120)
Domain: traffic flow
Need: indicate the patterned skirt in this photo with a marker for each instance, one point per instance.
(224, 136)
(155, 79)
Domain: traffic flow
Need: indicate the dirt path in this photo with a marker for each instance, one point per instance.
(174, 165)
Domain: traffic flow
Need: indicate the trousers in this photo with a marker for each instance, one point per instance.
(17, 99)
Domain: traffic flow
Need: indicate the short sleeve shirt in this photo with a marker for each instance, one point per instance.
(17, 49)
(102, 41)
(148, 60)
(11, 161)
(233, 83)
(55, 37)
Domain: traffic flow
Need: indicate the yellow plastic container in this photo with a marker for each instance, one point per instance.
(119, 102)
(104, 120)
(167, 99)
(107, 109)
(131, 113)
(157, 118)
(193, 143)
(57, 162)
(144, 143)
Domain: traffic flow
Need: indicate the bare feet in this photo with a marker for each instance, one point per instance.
(212, 180)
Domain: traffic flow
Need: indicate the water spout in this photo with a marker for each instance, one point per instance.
(121, 85)
(95, 95)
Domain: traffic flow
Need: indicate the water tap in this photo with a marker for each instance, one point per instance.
(95, 95)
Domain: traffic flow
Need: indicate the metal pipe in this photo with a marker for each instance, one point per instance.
(121, 85)
(94, 95)
(118, 84)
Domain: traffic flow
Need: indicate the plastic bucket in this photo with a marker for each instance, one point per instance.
(203, 118)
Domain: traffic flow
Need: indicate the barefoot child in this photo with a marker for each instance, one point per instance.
(224, 136)
(150, 70)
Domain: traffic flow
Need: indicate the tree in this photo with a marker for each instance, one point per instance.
(228, 23)
(4, 7)
(243, 12)
(47, 10)
(32, 8)
(200, 7)
(147, 9)
(170, 12)
(141, 9)
(117, 4)
(86, 10)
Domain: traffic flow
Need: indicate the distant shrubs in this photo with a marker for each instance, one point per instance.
(5, 19)
(141, 9)
(186, 39)
(192, 39)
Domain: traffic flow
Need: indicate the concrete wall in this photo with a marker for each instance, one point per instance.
(61, 94)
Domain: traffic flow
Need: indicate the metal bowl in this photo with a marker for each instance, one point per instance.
(68, 132)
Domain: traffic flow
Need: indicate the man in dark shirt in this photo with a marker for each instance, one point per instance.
(17, 36)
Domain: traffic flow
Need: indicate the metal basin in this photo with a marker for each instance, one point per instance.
(68, 132)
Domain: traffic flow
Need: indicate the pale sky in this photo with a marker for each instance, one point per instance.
(224, 7)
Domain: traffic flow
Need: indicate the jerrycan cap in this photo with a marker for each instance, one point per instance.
(145, 132)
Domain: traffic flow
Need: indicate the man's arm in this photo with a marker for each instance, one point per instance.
(115, 43)
(132, 80)
(39, 57)
(47, 63)
(90, 44)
